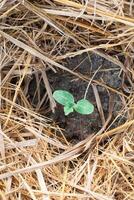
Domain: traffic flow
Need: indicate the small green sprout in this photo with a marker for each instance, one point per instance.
(66, 99)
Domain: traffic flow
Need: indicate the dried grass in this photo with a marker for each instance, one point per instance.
(37, 162)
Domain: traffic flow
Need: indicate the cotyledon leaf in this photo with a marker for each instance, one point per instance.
(84, 107)
(63, 97)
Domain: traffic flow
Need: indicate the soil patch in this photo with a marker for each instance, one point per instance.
(76, 126)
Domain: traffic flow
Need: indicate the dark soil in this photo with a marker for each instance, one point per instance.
(77, 127)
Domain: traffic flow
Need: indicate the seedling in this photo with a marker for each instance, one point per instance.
(66, 99)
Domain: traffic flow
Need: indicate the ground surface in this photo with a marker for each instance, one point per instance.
(77, 127)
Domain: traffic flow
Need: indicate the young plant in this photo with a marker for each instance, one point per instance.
(66, 99)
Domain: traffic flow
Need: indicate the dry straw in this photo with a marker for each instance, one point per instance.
(37, 162)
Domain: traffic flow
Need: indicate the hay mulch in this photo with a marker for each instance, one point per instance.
(37, 162)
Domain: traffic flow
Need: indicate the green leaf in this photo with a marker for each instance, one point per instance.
(63, 97)
(84, 107)
(68, 109)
